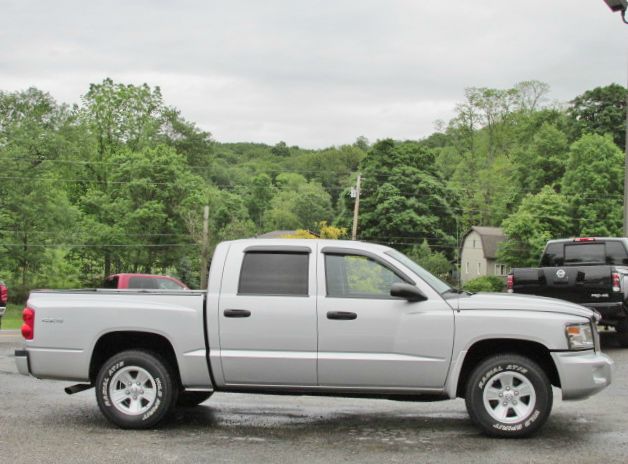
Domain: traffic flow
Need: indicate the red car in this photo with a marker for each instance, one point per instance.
(145, 281)
(4, 296)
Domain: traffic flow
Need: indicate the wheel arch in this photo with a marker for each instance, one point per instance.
(483, 349)
(116, 342)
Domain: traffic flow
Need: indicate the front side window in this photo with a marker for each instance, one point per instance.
(353, 276)
(274, 273)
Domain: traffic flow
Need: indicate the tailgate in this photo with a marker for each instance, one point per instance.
(579, 284)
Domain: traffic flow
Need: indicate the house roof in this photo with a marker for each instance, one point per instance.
(491, 237)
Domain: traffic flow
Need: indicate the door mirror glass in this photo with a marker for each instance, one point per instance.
(407, 292)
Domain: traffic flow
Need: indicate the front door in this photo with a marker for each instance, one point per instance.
(368, 339)
(267, 316)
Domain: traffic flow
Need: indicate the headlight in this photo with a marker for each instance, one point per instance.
(579, 336)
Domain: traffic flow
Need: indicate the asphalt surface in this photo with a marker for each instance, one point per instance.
(39, 423)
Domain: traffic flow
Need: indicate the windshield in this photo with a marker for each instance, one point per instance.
(431, 280)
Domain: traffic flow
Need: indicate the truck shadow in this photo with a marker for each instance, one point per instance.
(609, 340)
(379, 428)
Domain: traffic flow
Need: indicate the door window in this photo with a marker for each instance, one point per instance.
(352, 276)
(274, 273)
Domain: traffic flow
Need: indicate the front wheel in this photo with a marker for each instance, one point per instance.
(509, 396)
(135, 389)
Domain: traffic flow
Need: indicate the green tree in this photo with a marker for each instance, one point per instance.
(298, 204)
(403, 197)
(539, 218)
(593, 183)
(35, 212)
(543, 161)
(601, 111)
(434, 261)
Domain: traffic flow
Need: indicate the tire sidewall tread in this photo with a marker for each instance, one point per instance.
(504, 363)
(161, 371)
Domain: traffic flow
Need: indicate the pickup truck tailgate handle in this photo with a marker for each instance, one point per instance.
(237, 313)
(342, 315)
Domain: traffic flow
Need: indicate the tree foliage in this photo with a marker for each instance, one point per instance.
(119, 182)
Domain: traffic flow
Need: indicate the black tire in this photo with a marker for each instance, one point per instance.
(622, 332)
(142, 403)
(188, 399)
(522, 415)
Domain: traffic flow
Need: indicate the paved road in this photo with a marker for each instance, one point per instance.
(41, 424)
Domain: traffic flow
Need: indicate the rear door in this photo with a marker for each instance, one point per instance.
(267, 315)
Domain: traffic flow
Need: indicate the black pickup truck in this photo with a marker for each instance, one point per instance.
(590, 271)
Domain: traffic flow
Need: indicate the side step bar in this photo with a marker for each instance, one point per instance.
(79, 387)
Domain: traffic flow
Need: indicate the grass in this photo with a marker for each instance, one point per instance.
(12, 319)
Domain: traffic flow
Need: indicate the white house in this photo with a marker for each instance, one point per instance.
(478, 256)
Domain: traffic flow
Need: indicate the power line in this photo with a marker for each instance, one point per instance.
(65, 245)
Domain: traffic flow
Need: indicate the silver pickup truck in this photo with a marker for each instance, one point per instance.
(315, 317)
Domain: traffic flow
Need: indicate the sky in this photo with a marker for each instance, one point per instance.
(311, 73)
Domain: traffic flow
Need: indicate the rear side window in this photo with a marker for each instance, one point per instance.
(143, 283)
(585, 253)
(616, 253)
(553, 255)
(274, 273)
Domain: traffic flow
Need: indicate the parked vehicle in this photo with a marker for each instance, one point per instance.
(589, 271)
(4, 298)
(318, 317)
(146, 281)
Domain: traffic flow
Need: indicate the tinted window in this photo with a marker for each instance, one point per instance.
(274, 273)
(167, 284)
(616, 253)
(351, 276)
(143, 283)
(553, 255)
(585, 253)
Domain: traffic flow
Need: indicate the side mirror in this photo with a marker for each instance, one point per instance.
(407, 292)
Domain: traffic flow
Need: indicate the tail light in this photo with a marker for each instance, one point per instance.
(585, 239)
(28, 328)
(616, 282)
(510, 283)
(4, 294)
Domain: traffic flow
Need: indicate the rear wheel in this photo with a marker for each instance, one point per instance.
(135, 389)
(509, 396)
(188, 399)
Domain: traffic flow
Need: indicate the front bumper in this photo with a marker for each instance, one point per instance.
(21, 360)
(583, 373)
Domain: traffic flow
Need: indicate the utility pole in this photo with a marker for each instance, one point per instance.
(356, 209)
(205, 249)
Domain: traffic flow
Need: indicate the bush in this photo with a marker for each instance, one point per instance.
(485, 284)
